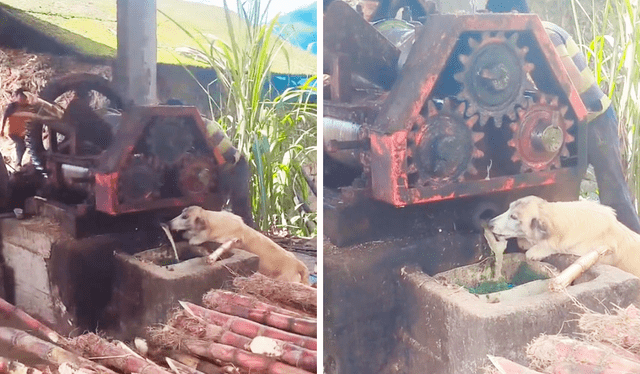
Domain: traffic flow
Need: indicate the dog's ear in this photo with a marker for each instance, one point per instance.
(539, 229)
(199, 224)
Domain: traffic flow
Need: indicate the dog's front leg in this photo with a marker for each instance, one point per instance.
(539, 251)
(524, 244)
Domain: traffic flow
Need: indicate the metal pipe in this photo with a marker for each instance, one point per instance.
(342, 140)
(73, 174)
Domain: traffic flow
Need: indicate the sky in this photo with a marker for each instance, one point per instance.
(275, 7)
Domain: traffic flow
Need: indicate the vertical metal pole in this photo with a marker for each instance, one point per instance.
(135, 70)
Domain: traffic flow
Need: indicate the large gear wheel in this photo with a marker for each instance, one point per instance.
(541, 134)
(494, 77)
(441, 148)
(140, 181)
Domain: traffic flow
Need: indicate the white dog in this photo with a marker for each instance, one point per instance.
(577, 227)
(202, 226)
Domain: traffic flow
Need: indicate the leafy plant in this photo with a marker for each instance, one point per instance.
(608, 31)
(278, 136)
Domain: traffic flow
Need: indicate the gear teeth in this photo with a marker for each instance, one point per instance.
(471, 121)
(528, 67)
(473, 43)
(498, 121)
(515, 157)
(454, 111)
(459, 77)
(568, 138)
(541, 102)
(563, 111)
(431, 109)
(515, 97)
(477, 136)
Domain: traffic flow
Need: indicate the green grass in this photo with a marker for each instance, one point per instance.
(79, 23)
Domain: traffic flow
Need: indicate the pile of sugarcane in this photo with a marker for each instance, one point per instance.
(610, 344)
(230, 333)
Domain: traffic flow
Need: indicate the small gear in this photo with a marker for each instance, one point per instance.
(494, 77)
(441, 148)
(197, 175)
(541, 134)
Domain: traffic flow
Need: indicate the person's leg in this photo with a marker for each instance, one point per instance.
(604, 154)
(20, 148)
(33, 139)
(235, 183)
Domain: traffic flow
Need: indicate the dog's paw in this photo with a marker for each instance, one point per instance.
(537, 253)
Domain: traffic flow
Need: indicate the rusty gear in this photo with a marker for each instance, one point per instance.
(441, 148)
(197, 175)
(494, 77)
(540, 135)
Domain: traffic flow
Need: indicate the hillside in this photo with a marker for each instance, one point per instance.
(90, 26)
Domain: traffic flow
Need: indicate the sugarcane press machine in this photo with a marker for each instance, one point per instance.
(471, 108)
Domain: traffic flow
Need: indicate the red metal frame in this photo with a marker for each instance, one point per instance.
(425, 64)
(116, 158)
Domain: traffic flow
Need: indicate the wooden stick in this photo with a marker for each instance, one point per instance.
(10, 310)
(248, 328)
(165, 228)
(303, 326)
(124, 360)
(568, 275)
(224, 247)
(47, 351)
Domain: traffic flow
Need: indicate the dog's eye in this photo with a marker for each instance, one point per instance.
(513, 217)
(185, 216)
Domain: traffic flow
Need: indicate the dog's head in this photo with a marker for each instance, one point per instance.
(190, 220)
(523, 219)
(202, 225)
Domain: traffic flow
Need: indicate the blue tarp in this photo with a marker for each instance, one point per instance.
(300, 27)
